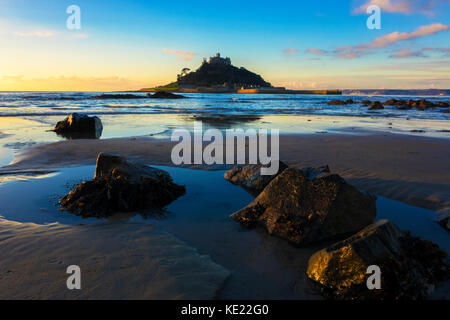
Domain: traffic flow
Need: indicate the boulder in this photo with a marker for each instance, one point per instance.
(366, 102)
(306, 205)
(120, 186)
(376, 105)
(349, 101)
(337, 103)
(165, 95)
(249, 177)
(409, 266)
(78, 125)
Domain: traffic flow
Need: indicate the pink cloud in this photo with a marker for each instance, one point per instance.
(407, 53)
(352, 52)
(426, 7)
(185, 55)
(402, 6)
(316, 51)
(290, 50)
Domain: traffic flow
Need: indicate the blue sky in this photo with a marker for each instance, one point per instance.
(299, 44)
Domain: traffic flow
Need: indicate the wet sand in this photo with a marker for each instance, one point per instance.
(118, 261)
(410, 169)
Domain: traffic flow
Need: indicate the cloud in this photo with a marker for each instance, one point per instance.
(184, 55)
(290, 50)
(352, 52)
(444, 51)
(316, 51)
(392, 6)
(37, 34)
(406, 53)
(425, 7)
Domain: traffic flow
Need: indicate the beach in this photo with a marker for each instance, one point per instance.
(135, 256)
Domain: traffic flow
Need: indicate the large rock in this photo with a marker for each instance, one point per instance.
(337, 103)
(409, 266)
(120, 186)
(81, 126)
(249, 177)
(305, 206)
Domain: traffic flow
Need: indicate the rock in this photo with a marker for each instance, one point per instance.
(410, 267)
(78, 125)
(118, 96)
(249, 177)
(444, 220)
(447, 111)
(308, 205)
(424, 104)
(376, 105)
(366, 102)
(349, 101)
(391, 102)
(337, 103)
(165, 95)
(442, 104)
(120, 186)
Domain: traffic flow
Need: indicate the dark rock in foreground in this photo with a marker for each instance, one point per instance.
(165, 95)
(249, 177)
(305, 206)
(410, 267)
(119, 186)
(78, 125)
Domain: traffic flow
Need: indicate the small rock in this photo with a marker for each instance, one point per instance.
(337, 103)
(79, 126)
(376, 105)
(165, 95)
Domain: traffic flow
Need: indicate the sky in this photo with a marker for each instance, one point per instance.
(301, 44)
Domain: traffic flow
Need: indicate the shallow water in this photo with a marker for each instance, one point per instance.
(263, 266)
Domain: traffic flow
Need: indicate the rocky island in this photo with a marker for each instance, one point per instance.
(218, 75)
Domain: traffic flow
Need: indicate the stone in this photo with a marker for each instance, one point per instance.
(376, 105)
(249, 177)
(337, 103)
(120, 186)
(165, 95)
(305, 206)
(78, 125)
(410, 267)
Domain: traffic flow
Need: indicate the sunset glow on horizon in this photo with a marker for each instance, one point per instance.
(128, 45)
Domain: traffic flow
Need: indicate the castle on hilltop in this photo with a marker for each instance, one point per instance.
(218, 60)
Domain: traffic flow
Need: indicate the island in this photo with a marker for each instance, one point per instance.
(218, 75)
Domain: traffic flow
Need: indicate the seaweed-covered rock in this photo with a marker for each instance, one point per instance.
(165, 95)
(79, 125)
(120, 186)
(249, 177)
(304, 206)
(410, 267)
